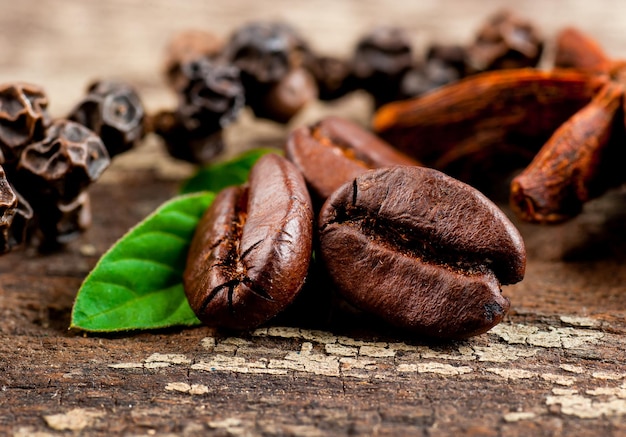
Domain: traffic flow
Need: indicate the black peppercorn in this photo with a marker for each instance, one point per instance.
(15, 215)
(333, 76)
(23, 119)
(213, 95)
(185, 47)
(63, 164)
(61, 221)
(266, 51)
(381, 59)
(198, 146)
(271, 56)
(114, 111)
(505, 41)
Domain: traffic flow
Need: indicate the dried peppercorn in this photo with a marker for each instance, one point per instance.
(210, 97)
(333, 76)
(266, 51)
(63, 164)
(505, 41)
(114, 111)
(287, 97)
(199, 146)
(23, 118)
(270, 56)
(213, 95)
(185, 47)
(62, 221)
(443, 65)
(15, 215)
(8, 206)
(381, 58)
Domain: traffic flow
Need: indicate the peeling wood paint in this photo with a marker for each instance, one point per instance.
(73, 420)
(325, 354)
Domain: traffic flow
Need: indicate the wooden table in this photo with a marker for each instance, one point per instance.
(554, 367)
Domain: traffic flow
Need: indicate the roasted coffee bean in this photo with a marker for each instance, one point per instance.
(252, 248)
(335, 151)
(63, 164)
(114, 111)
(422, 250)
(23, 119)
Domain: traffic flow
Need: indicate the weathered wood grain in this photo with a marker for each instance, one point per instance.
(555, 367)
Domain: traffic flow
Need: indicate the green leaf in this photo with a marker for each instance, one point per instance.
(137, 284)
(218, 176)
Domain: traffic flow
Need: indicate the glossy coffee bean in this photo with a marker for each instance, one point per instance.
(335, 151)
(421, 250)
(252, 248)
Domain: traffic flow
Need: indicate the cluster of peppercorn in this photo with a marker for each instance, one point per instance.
(47, 165)
(272, 69)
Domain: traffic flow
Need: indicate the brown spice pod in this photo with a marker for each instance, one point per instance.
(572, 167)
(489, 122)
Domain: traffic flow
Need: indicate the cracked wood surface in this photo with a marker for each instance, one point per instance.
(554, 367)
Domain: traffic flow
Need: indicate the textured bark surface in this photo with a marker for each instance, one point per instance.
(555, 366)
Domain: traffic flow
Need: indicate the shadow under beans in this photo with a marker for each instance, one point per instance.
(598, 233)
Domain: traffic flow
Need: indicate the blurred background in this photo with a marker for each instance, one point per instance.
(64, 44)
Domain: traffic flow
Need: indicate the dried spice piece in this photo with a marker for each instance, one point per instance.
(265, 52)
(577, 50)
(271, 57)
(114, 111)
(63, 164)
(283, 100)
(451, 55)
(23, 118)
(212, 97)
(185, 47)
(381, 59)
(583, 158)
(61, 221)
(481, 128)
(15, 216)
(333, 77)
(505, 41)
(8, 207)
(571, 167)
(22, 222)
(198, 146)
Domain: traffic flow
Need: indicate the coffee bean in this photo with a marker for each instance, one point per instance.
(252, 248)
(421, 250)
(335, 151)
